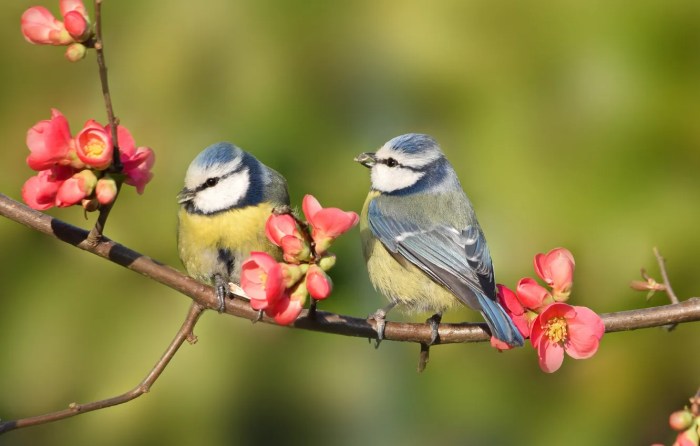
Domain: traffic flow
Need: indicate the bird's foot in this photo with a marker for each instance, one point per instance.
(221, 288)
(379, 317)
(434, 322)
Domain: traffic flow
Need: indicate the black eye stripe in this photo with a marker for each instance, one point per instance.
(392, 162)
(213, 181)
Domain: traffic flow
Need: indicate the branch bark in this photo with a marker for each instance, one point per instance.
(686, 311)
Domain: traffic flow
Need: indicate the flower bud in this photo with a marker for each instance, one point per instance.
(76, 188)
(77, 26)
(290, 274)
(681, 420)
(106, 190)
(295, 249)
(76, 52)
(318, 283)
(327, 261)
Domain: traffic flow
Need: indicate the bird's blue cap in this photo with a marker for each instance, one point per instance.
(413, 143)
(215, 154)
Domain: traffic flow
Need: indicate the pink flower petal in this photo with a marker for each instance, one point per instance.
(550, 355)
(531, 294)
(310, 206)
(39, 26)
(318, 283)
(584, 333)
(49, 142)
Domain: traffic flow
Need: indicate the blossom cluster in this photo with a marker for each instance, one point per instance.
(281, 289)
(540, 313)
(76, 170)
(40, 27)
(687, 423)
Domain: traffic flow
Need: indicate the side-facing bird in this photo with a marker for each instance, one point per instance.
(227, 198)
(422, 242)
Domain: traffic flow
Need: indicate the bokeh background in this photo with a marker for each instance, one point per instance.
(570, 124)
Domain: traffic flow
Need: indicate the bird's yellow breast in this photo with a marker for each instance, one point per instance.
(399, 280)
(201, 237)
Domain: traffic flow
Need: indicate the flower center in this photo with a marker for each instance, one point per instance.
(556, 329)
(263, 279)
(94, 148)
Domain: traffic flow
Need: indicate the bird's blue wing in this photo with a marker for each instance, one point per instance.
(457, 259)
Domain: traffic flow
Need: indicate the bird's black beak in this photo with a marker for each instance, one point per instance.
(367, 159)
(185, 195)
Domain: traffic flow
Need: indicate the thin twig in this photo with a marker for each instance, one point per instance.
(183, 334)
(98, 229)
(664, 275)
(686, 311)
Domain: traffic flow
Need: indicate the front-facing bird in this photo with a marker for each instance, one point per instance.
(423, 245)
(227, 198)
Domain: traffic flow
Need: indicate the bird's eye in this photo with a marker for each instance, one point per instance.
(391, 162)
(211, 182)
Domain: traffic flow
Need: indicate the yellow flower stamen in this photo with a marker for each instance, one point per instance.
(556, 329)
(94, 148)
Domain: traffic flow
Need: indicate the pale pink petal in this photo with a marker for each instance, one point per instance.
(531, 294)
(310, 206)
(67, 6)
(287, 311)
(584, 333)
(508, 299)
(550, 355)
(278, 226)
(39, 26)
(49, 142)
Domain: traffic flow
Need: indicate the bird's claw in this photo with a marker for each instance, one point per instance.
(434, 322)
(221, 288)
(379, 318)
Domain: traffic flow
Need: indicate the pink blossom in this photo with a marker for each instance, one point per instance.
(557, 269)
(136, 161)
(318, 283)
(515, 310)
(278, 226)
(94, 145)
(561, 327)
(688, 437)
(531, 294)
(261, 279)
(106, 190)
(326, 223)
(76, 188)
(39, 191)
(39, 26)
(289, 306)
(49, 142)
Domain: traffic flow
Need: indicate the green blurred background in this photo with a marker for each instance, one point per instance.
(569, 123)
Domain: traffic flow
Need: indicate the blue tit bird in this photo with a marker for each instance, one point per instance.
(227, 198)
(422, 242)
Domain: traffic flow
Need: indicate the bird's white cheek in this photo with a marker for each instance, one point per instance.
(389, 179)
(227, 193)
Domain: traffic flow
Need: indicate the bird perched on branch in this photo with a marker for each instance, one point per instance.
(422, 242)
(227, 198)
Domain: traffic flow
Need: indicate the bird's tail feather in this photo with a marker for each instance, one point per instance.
(501, 325)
